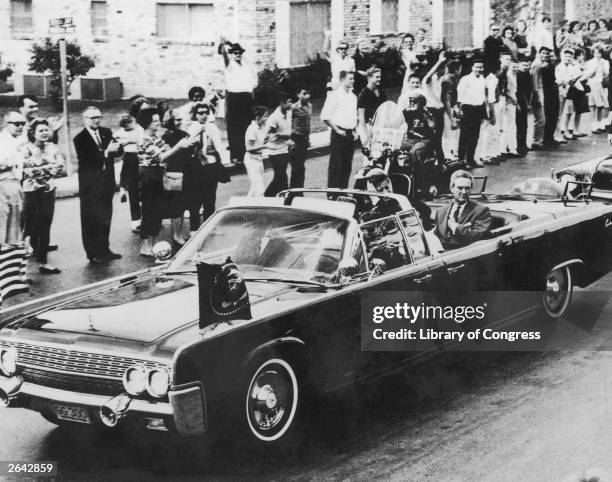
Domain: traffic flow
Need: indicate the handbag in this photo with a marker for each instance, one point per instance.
(587, 87)
(172, 181)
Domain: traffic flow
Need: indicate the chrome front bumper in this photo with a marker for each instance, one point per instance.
(186, 408)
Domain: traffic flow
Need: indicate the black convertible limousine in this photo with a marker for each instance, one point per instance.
(136, 350)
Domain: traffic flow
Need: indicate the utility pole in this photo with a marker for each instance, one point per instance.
(61, 27)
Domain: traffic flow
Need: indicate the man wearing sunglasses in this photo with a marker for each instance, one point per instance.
(11, 197)
(341, 61)
(493, 46)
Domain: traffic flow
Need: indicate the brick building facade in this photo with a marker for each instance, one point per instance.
(161, 47)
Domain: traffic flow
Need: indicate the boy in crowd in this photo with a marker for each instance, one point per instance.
(300, 126)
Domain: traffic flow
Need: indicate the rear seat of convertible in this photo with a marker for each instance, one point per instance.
(500, 219)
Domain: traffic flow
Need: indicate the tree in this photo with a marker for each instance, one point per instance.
(45, 58)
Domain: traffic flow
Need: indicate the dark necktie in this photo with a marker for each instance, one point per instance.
(456, 213)
(97, 138)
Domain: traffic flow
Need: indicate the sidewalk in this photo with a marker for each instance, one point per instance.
(67, 187)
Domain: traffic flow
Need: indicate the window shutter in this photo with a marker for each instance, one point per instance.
(403, 15)
(282, 34)
(375, 17)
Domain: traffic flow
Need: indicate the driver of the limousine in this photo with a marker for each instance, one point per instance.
(462, 221)
(378, 207)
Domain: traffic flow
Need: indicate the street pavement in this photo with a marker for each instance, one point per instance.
(494, 416)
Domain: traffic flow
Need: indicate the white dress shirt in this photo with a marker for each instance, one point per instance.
(433, 92)
(9, 156)
(281, 125)
(339, 64)
(239, 77)
(340, 108)
(491, 82)
(471, 90)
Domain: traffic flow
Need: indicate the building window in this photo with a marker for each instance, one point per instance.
(21, 17)
(457, 28)
(99, 19)
(308, 22)
(389, 16)
(185, 21)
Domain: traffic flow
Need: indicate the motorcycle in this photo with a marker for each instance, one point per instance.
(388, 149)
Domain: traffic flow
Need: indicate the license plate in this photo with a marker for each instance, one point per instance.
(72, 413)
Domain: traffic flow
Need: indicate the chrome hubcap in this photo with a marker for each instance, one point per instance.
(271, 400)
(556, 290)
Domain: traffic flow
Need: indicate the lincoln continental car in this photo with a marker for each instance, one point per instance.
(135, 350)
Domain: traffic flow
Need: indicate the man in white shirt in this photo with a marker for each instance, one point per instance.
(487, 149)
(11, 196)
(240, 82)
(340, 114)
(506, 108)
(432, 88)
(340, 62)
(279, 131)
(543, 36)
(472, 102)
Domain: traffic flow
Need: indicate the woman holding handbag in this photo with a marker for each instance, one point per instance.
(153, 156)
(174, 204)
(205, 168)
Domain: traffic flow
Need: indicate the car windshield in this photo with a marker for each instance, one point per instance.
(269, 243)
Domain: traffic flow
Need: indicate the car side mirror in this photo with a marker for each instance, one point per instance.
(162, 251)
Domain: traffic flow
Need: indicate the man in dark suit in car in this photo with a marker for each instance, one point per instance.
(463, 221)
(96, 151)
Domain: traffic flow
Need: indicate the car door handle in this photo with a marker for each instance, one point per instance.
(456, 269)
(423, 279)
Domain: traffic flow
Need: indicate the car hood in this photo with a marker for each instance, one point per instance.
(145, 310)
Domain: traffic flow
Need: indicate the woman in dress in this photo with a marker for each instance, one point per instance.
(129, 136)
(520, 37)
(603, 34)
(575, 38)
(590, 37)
(596, 70)
(510, 43)
(204, 170)
(41, 162)
(174, 203)
(153, 155)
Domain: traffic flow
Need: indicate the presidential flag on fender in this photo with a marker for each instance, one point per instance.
(223, 293)
(13, 260)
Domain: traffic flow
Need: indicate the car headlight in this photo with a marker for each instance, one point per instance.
(158, 382)
(135, 380)
(8, 360)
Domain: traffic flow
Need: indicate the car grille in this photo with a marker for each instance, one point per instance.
(75, 383)
(73, 370)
